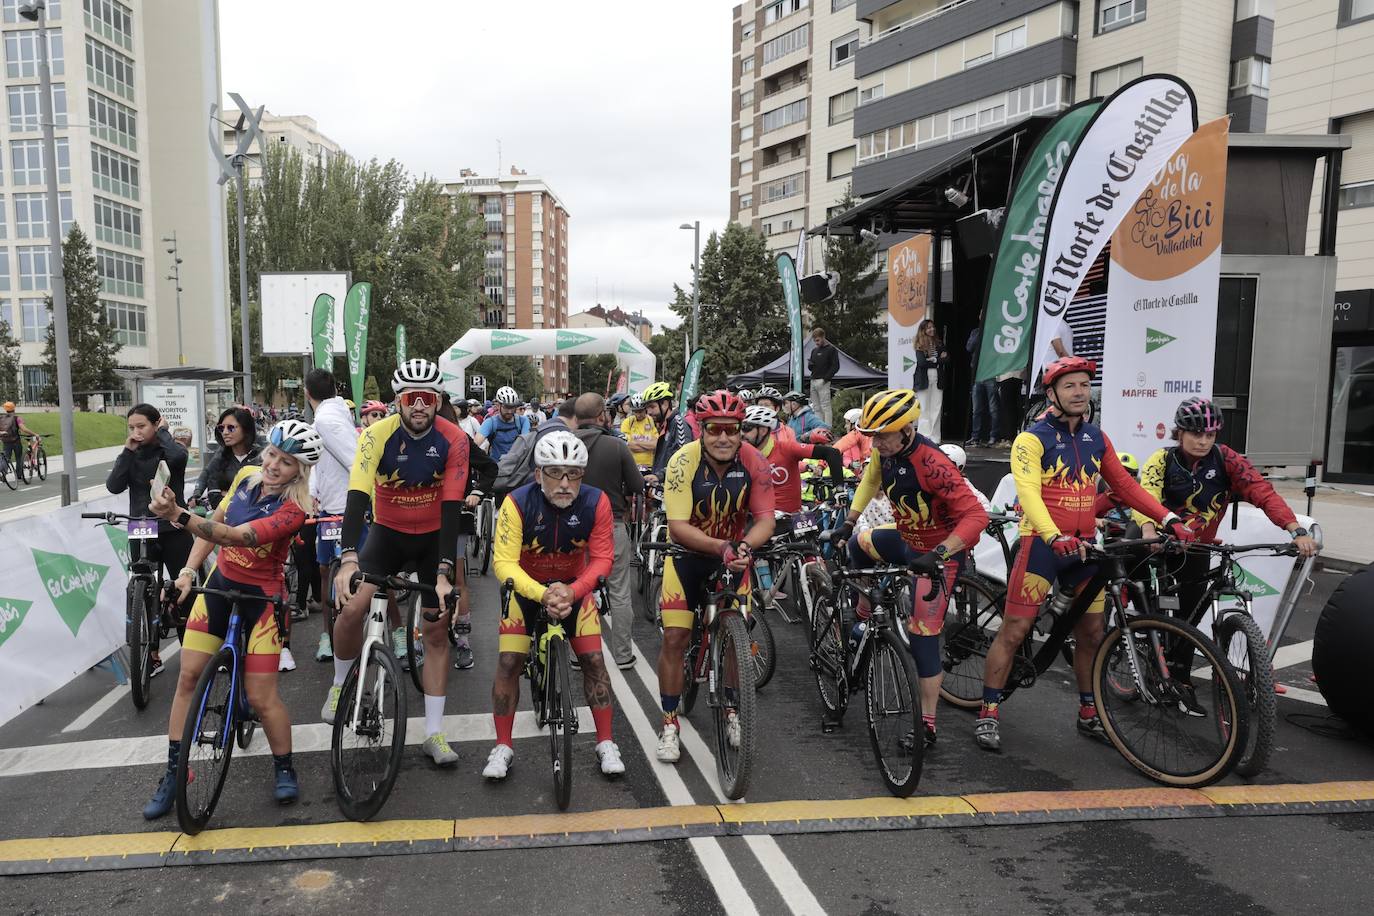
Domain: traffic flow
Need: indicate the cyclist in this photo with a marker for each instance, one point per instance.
(956, 454)
(1108, 508)
(673, 431)
(713, 487)
(640, 432)
(1056, 464)
(468, 423)
(329, 480)
(785, 457)
(801, 419)
(236, 432)
(412, 468)
(554, 541)
(254, 526)
(854, 445)
(506, 425)
(11, 429)
(936, 517)
(372, 412)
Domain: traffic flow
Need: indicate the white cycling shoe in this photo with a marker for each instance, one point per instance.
(499, 762)
(608, 755)
(732, 728)
(669, 745)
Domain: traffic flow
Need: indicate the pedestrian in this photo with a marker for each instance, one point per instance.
(823, 366)
(987, 408)
(929, 381)
(1010, 385)
(237, 434)
(12, 429)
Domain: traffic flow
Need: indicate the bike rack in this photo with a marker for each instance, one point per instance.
(1298, 579)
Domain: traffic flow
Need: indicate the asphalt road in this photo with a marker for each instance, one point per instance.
(1279, 864)
(43, 491)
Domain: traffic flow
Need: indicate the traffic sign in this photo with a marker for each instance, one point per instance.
(477, 382)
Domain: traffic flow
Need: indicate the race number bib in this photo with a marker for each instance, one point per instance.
(330, 531)
(142, 529)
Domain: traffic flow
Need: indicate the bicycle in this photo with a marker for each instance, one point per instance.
(651, 565)
(149, 615)
(871, 654)
(415, 643)
(719, 654)
(36, 458)
(10, 480)
(479, 544)
(372, 709)
(219, 716)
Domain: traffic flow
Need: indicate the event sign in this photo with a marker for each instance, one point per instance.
(322, 331)
(908, 298)
(791, 291)
(1162, 295)
(182, 405)
(691, 379)
(357, 315)
(401, 350)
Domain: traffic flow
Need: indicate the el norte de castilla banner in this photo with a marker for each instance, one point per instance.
(908, 301)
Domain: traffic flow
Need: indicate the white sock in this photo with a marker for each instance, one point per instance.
(434, 715)
(341, 666)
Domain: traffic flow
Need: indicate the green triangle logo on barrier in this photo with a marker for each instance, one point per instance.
(637, 377)
(458, 353)
(450, 377)
(908, 364)
(627, 347)
(1156, 339)
(501, 339)
(566, 339)
(72, 585)
(1256, 586)
(12, 614)
(119, 540)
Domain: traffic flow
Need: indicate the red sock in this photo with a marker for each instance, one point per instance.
(601, 715)
(504, 726)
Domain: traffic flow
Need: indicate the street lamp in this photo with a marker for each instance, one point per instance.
(175, 277)
(696, 276)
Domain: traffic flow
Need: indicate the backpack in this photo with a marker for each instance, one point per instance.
(517, 465)
(9, 427)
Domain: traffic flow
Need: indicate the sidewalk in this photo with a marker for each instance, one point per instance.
(84, 459)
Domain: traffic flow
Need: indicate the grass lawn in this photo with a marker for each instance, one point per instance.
(93, 430)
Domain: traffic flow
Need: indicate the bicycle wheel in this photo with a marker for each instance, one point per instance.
(207, 743)
(893, 706)
(691, 665)
(558, 703)
(366, 750)
(6, 476)
(1243, 644)
(762, 649)
(41, 465)
(331, 603)
(487, 528)
(244, 731)
(736, 735)
(414, 663)
(828, 653)
(139, 633)
(1154, 730)
(971, 624)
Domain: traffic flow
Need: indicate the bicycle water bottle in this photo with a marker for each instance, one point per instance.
(856, 635)
(765, 575)
(1060, 603)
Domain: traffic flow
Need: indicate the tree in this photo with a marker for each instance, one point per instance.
(588, 372)
(853, 317)
(9, 364)
(94, 347)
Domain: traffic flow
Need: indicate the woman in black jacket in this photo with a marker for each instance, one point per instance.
(237, 436)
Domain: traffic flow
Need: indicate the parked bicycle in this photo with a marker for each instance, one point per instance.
(36, 458)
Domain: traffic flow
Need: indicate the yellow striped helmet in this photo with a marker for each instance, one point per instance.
(890, 410)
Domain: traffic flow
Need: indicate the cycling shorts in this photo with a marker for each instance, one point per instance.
(389, 552)
(209, 624)
(685, 580)
(885, 545)
(585, 625)
(1036, 567)
(326, 551)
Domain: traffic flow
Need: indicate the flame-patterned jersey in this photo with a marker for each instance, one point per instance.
(537, 543)
(273, 518)
(929, 497)
(1200, 491)
(410, 477)
(1056, 470)
(717, 504)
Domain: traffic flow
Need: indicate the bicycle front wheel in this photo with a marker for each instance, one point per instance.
(7, 477)
(893, 705)
(139, 632)
(762, 648)
(828, 659)
(369, 735)
(207, 744)
(558, 703)
(415, 641)
(971, 625)
(487, 527)
(41, 464)
(1166, 728)
(736, 713)
(1243, 644)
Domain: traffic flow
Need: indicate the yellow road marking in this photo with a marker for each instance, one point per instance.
(42, 849)
(1010, 802)
(843, 809)
(1355, 790)
(611, 819)
(332, 834)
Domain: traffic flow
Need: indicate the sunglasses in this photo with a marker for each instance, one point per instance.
(750, 427)
(414, 398)
(722, 429)
(563, 473)
(375, 414)
(227, 427)
(280, 440)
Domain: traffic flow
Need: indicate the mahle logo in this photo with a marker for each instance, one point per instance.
(12, 613)
(1156, 339)
(72, 584)
(501, 339)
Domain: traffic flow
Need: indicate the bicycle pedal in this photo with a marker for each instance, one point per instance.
(462, 628)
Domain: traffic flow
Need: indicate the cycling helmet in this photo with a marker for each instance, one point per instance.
(658, 391)
(617, 399)
(1198, 415)
(955, 454)
(853, 415)
(636, 402)
(796, 396)
(298, 439)
(373, 407)
(507, 396)
(473, 402)
(560, 449)
(890, 410)
(719, 405)
(350, 404)
(1066, 364)
(770, 393)
(9, 407)
(1128, 462)
(758, 415)
(745, 395)
(417, 373)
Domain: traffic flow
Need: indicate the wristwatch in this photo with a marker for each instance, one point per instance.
(1299, 533)
(183, 519)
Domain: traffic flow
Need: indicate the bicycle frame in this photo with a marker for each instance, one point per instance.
(879, 600)
(235, 640)
(374, 635)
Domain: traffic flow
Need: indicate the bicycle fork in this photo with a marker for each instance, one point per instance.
(374, 639)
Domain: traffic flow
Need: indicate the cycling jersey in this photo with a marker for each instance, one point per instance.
(537, 543)
(674, 433)
(273, 518)
(929, 497)
(408, 477)
(208, 623)
(640, 431)
(718, 505)
(1199, 491)
(784, 456)
(855, 447)
(502, 433)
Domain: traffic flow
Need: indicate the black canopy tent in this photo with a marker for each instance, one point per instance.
(852, 374)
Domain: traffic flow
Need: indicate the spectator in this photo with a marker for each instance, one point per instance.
(1009, 386)
(987, 409)
(929, 381)
(823, 366)
(236, 432)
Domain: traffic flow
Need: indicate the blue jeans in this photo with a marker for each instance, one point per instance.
(986, 405)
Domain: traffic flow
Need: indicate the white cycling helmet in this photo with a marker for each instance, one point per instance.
(636, 402)
(297, 439)
(769, 392)
(853, 415)
(508, 396)
(560, 449)
(758, 415)
(745, 395)
(417, 373)
(955, 454)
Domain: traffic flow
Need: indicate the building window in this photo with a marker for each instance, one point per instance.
(1010, 41)
(783, 188)
(1109, 79)
(128, 320)
(839, 163)
(109, 69)
(746, 166)
(747, 65)
(1250, 76)
(842, 49)
(1355, 11)
(31, 215)
(746, 30)
(746, 99)
(21, 54)
(112, 20)
(11, 11)
(26, 162)
(842, 106)
(112, 122)
(787, 114)
(5, 275)
(35, 381)
(118, 224)
(35, 317)
(120, 274)
(1113, 14)
(837, 5)
(871, 94)
(775, 11)
(746, 133)
(786, 43)
(1354, 196)
(33, 266)
(746, 201)
(23, 103)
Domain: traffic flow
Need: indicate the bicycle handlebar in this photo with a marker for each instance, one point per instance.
(230, 594)
(1278, 549)
(114, 518)
(937, 581)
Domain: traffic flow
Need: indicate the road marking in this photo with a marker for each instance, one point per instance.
(101, 753)
(1303, 696)
(102, 705)
(1293, 654)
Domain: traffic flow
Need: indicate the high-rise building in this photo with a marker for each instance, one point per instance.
(133, 167)
(525, 283)
(299, 132)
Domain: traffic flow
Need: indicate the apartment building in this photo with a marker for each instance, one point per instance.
(598, 316)
(525, 284)
(299, 132)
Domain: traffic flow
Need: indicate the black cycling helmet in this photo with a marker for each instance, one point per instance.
(1198, 415)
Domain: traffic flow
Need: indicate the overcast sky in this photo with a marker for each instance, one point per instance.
(622, 106)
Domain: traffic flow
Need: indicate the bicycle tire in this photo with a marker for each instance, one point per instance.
(828, 659)
(415, 639)
(1256, 673)
(210, 712)
(7, 477)
(690, 665)
(892, 692)
(558, 690)
(1225, 724)
(291, 578)
(971, 623)
(244, 731)
(361, 802)
(41, 465)
(762, 649)
(487, 528)
(818, 583)
(734, 765)
(138, 633)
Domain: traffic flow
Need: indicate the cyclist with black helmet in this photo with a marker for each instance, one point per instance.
(506, 425)
(801, 418)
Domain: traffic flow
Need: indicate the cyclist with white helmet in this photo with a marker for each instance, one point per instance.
(506, 425)
(855, 445)
(254, 526)
(641, 432)
(785, 456)
(553, 540)
(412, 468)
(957, 454)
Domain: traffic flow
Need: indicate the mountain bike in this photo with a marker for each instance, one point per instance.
(651, 560)
(36, 458)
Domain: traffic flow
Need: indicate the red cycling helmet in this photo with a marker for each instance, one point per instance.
(373, 407)
(1066, 364)
(820, 436)
(720, 405)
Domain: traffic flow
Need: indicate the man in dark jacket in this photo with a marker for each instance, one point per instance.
(612, 469)
(823, 366)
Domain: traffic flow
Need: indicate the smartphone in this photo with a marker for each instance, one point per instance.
(160, 478)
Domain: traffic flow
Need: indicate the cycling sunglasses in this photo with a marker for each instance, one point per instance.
(418, 397)
(289, 444)
(722, 429)
(563, 473)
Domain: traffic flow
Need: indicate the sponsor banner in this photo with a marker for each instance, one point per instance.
(908, 298)
(631, 355)
(791, 291)
(357, 315)
(1162, 295)
(1130, 138)
(1005, 345)
(691, 378)
(322, 331)
(401, 351)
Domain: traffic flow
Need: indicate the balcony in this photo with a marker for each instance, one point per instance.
(943, 25)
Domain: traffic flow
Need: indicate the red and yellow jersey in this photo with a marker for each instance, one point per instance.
(273, 518)
(718, 505)
(410, 477)
(930, 500)
(537, 543)
(785, 456)
(1199, 491)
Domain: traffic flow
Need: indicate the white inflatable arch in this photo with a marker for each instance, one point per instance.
(631, 354)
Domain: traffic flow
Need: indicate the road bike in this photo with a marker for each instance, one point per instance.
(36, 458)
(414, 615)
(651, 561)
(480, 543)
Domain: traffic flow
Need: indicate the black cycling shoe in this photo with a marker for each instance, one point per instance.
(1091, 727)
